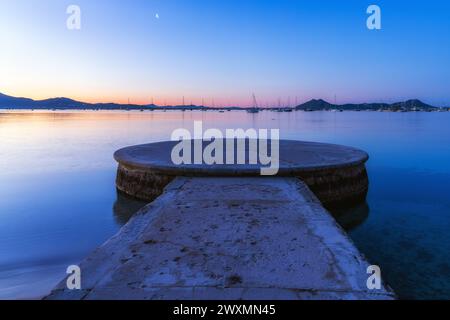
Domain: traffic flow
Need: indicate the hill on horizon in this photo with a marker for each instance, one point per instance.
(413, 104)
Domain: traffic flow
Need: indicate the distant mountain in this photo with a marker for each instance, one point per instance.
(61, 103)
(8, 102)
(316, 105)
(410, 105)
(58, 103)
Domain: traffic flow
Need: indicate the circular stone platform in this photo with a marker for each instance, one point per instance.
(336, 174)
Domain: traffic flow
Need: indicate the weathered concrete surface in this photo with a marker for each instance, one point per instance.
(336, 174)
(228, 238)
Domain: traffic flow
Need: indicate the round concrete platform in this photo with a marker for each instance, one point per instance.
(336, 174)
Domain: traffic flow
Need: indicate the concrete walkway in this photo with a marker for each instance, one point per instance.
(228, 238)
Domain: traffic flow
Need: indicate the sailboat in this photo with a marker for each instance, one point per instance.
(254, 109)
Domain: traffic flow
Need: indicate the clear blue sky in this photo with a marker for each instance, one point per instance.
(226, 50)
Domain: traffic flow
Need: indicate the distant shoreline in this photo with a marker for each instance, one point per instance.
(15, 103)
(12, 110)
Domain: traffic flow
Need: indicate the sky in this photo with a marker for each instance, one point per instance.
(226, 50)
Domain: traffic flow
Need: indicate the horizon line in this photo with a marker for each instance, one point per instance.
(221, 105)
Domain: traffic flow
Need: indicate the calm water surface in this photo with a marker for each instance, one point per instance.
(58, 200)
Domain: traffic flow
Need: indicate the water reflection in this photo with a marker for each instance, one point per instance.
(125, 206)
(350, 218)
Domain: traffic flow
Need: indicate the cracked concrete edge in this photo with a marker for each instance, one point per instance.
(345, 255)
(219, 293)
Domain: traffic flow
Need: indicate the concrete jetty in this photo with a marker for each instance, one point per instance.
(227, 238)
(336, 174)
